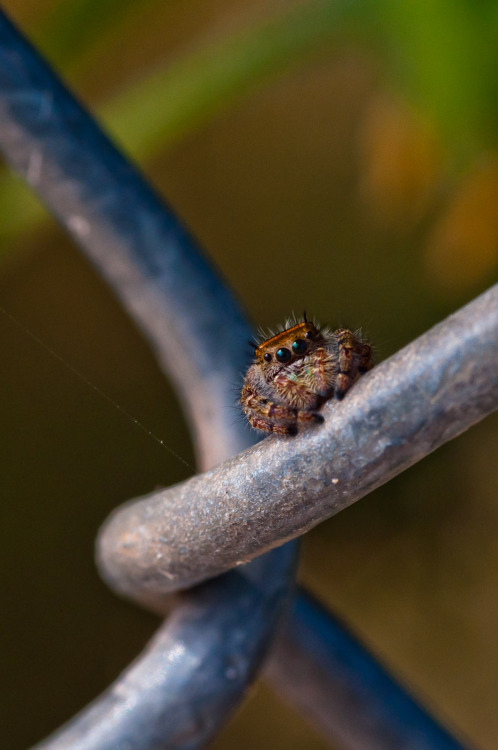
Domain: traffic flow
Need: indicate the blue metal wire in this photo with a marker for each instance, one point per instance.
(319, 666)
(182, 688)
(213, 643)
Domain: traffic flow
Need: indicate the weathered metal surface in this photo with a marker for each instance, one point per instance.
(181, 689)
(175, 694)
(182, 307)
(426, 394)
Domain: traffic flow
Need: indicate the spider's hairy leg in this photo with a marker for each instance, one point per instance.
(295, 391)
(323, 372)
(264, 414)
(354, 357)
(266, 426)
(366, 360)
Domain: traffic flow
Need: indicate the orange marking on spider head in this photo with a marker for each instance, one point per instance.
(285, 339)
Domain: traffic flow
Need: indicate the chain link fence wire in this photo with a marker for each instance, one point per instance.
(179, 692)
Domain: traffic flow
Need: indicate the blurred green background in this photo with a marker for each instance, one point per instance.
(335, 156)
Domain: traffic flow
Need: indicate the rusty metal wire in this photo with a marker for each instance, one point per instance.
(181, 689)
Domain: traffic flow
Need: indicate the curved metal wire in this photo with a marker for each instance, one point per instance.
(320, 667)
(426, 394)
(177, 299)
(180, 690)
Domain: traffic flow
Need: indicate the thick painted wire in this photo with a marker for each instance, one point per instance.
(224, 627)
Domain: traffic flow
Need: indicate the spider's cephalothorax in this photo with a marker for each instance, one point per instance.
(296, 371)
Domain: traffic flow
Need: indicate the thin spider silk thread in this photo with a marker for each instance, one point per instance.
(90, 384)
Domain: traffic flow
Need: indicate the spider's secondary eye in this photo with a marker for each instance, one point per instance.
(299, 346)
(283, 355)
(309, 335)
(267, 357)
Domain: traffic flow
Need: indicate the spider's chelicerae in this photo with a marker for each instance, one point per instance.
(296, 371)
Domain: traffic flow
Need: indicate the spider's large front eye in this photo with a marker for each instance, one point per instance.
(283, 355)
(299, 346)
(267, 357)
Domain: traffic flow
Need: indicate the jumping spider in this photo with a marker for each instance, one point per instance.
(296, 371)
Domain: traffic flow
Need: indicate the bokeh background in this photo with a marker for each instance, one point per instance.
(334, 156)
